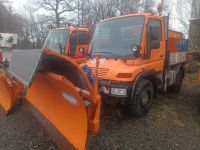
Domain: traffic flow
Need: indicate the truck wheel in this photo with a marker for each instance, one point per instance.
(142, 99)
(176, 87)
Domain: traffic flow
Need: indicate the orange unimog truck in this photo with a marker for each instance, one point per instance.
(70, 41)
(140, 57)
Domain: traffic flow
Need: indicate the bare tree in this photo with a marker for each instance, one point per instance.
(9, 21)
(162, 7)
(148, 6)
(85, 11)
(189, 19)
(129, 6)
(102, 9)
(57, 7)
(33, 30)
(194, 28)
(41, 29)
(183, 8)
(195, 9)
(194, 36)
(96, 10)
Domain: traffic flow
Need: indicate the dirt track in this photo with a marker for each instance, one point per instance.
(172, 123)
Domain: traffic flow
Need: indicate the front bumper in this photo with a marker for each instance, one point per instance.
(116, 88)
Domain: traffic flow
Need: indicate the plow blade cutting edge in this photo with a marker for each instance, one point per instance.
(60, 95)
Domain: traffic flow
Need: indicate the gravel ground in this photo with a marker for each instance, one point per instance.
(172, 123)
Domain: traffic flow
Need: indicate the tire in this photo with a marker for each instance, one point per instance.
(142, 99)
(176, 87)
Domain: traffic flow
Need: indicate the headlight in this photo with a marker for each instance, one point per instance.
(119, 91)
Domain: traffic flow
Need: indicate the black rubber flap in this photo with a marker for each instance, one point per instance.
(24, 64)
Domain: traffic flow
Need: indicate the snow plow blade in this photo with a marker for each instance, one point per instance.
(59, 102)
(57, 92)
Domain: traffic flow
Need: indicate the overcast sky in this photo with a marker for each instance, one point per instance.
(18, 5)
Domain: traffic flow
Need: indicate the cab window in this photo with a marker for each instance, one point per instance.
(82, 38)
(156, 29)
(73, 43)
(56, 37)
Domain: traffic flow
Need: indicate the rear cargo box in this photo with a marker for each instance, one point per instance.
(174, 41)
(177, 47)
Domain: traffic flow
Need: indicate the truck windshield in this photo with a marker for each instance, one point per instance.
(116, 37)
(55, 38)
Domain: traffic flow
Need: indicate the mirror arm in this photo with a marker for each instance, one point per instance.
(142, 54)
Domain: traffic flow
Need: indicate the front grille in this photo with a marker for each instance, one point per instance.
(101, 71)
(116, 83)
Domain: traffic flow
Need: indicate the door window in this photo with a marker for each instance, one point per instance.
(156, 29)
(73, 43)
(82, 38)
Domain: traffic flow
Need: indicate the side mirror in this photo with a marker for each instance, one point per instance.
(155, 44)
(82, 50)
(60, 48)
(135, 50)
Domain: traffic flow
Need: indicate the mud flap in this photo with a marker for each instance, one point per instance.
(60, 103)
(6, 95)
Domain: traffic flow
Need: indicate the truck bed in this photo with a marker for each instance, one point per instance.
(177, 48)
(177, 57)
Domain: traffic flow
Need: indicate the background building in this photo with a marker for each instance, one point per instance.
(195, 10)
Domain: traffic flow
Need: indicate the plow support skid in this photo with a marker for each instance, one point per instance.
(57, 90)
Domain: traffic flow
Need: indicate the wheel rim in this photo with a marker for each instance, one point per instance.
(179, 81)
(144, 97)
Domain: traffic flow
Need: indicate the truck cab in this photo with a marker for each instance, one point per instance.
(71, 41)
(136, 62)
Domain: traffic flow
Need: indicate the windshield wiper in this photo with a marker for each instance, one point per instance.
(105, 52)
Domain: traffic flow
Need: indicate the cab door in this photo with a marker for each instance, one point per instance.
(79, 43)
(157, 44)
(73, 44)
(83, 43)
